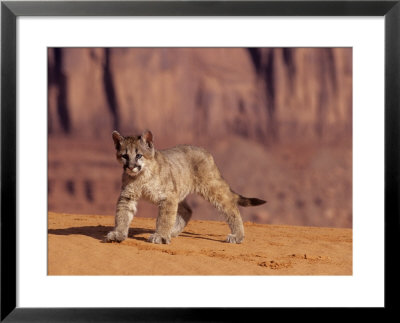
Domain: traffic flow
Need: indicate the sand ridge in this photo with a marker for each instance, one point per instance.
(76, 247)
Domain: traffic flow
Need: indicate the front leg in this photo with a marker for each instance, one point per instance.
(165, 222)
(126, 210)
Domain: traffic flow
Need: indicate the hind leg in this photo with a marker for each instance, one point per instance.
(182, 218)
(221, 196)
(234, 220)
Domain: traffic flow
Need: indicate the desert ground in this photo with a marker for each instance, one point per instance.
(76, 247)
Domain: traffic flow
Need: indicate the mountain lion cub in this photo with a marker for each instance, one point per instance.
(165, 178)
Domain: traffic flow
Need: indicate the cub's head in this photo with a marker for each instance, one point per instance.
(134, 152)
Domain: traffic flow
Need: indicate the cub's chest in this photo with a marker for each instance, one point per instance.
(153, 192)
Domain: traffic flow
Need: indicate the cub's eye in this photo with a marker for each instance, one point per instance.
(138, 156)
(126, 156)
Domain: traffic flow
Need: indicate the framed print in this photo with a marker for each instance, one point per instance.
(326, 76)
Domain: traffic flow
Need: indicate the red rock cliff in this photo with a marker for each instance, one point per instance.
(277, 120)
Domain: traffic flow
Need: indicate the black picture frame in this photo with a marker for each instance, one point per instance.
(10, 10)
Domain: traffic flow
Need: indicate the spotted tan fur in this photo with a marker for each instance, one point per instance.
(165, 178)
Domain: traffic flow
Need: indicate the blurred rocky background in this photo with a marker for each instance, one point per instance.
(277, 120)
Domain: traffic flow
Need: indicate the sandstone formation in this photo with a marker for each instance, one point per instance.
(277, 120)
(265, 94)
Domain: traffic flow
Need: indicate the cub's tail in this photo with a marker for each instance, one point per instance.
(249, 201)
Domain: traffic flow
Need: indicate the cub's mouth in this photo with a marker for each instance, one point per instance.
(136, 169)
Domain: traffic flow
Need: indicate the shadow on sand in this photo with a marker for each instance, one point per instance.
(98, 232)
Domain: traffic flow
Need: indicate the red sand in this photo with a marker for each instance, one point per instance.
(76, 247)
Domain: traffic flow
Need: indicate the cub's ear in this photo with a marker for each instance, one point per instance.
(147, 138)
(117, 139)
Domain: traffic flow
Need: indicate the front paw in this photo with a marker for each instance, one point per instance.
(115, 236)
(233, 238)
(157, 238)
